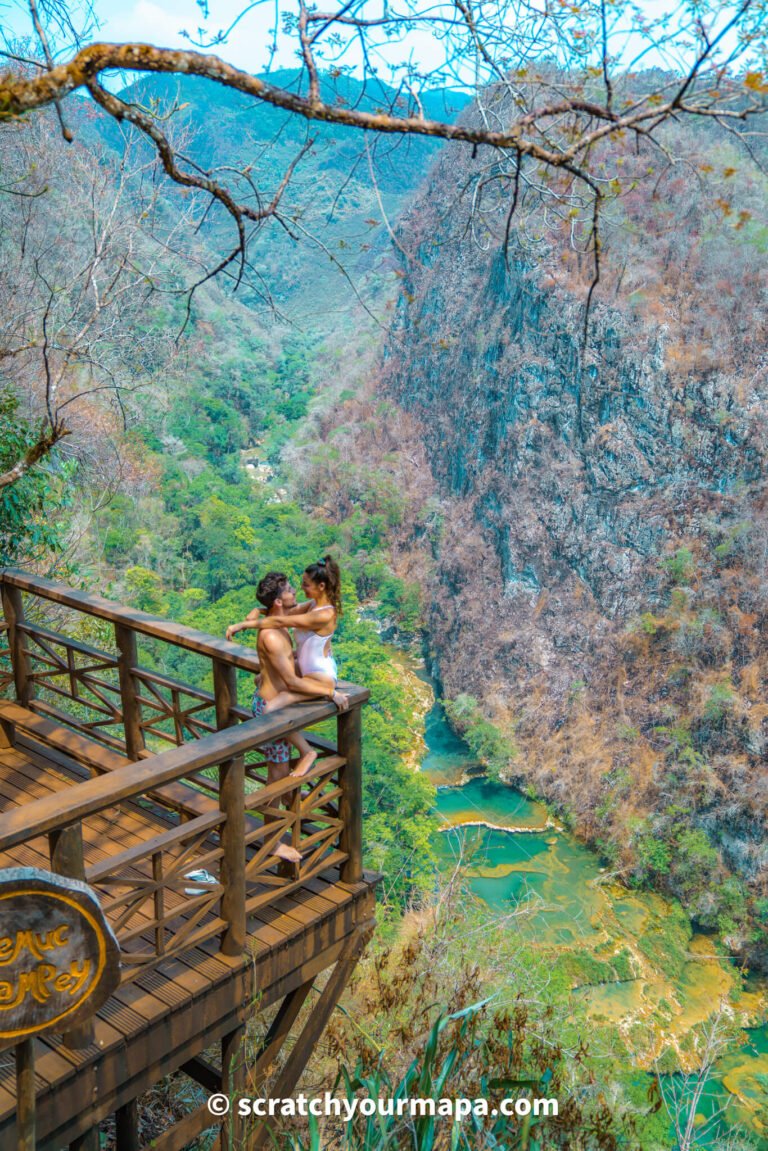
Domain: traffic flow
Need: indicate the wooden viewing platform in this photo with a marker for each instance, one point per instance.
(115, 770)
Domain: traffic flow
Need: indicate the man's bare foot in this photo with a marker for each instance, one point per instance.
(341, 700)
(304, 765)
(283, 851)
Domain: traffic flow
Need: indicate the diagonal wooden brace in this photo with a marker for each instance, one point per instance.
(314, 1026)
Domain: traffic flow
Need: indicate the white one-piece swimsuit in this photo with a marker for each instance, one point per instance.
(310, 652)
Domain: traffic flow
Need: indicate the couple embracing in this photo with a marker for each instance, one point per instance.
(288, 676)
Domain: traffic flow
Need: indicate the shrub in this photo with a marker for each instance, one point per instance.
(680, 567)
(654, 854)
(694, 869)
(719, 703)
(492, 747)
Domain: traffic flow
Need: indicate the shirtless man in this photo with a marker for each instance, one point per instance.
(278, 673)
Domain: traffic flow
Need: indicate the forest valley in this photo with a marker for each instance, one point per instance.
(576, 532)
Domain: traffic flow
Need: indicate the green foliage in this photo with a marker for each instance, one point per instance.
(397, 801)
(735, 540)
(719, 703)
(399, 601)
(648, 623)
(145, 589)
(732, 905)
(696, 864)
(761, 911)
(665, 940)
(680, 567)
(457, 1061)
(678, 736)
(492, 747)
(653, 853)
(31, 521)
(582, 969)
(617, 785)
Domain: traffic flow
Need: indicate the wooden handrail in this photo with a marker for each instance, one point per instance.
(95, 795)
(111, 690)
(139, 621)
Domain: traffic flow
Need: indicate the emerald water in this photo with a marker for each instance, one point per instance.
(515, 853)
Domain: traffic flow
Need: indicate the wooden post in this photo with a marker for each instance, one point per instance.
(232, 803)
(65, 846)
(127, 1127)
(349, 729)
(25, 1089)
(127, 659)
(13, 610)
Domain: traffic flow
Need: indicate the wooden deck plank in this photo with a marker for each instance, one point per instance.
(45, 778)
(96, 837)
(164, 1016)
(118, 1063)
(281, 918)
(17, 788)
(35, 756)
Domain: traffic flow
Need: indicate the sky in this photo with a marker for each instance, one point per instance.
(162, 22)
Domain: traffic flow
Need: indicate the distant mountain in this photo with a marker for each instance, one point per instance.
(333, 207)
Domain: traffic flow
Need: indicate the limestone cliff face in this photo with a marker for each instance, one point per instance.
(599, 570)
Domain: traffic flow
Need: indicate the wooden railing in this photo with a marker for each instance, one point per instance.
(108, 692)
(205, 800)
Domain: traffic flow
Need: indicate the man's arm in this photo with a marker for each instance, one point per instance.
(247, 624)
(281, 661)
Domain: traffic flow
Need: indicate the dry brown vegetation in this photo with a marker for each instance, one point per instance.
(590, 529)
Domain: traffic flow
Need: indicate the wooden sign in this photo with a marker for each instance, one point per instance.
(59, 960)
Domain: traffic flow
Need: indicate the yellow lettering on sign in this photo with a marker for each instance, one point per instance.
(42, 981)
(35, 942)
(79, 974)
(44, 977)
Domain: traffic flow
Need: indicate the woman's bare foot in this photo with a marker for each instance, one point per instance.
(304, 765)
(283, 851)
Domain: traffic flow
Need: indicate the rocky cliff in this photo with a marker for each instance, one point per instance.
(599, 573)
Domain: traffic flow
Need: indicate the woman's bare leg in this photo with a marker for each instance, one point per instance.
(307, 753)
(283, 698)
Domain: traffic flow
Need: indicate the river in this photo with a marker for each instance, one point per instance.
(515, 852)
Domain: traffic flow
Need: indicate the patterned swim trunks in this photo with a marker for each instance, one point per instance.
(279, 751)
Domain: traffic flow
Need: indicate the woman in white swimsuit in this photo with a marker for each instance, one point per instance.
(315, 623)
